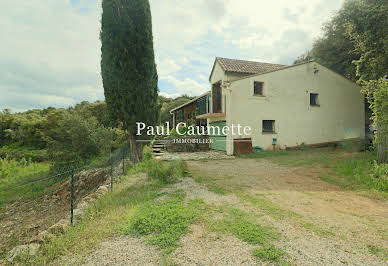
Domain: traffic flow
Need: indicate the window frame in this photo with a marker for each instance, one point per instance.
(263, 130)
(316, 99)
(262, 88)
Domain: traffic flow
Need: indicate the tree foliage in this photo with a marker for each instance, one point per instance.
(355, 41)
(168, 104)
(76, 133)
(377, 95)
(128, 66)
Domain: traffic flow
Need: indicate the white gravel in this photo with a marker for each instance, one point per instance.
(124, 251)
(195, 190)
(203, 248)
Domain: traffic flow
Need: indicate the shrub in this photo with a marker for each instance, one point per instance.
(16, 152)
(147, 153)
(380, 173)
(364, 173)
(166, 172)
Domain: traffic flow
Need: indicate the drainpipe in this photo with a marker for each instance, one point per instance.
(229, 144)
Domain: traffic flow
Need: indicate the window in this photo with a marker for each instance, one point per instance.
(314, 99)
(258, 88)
(269, 126)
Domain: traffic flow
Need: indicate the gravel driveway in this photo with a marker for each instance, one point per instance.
(322, 225)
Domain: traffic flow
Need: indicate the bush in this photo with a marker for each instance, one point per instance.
(147, 153)
(78, 137)
(166, 172)
(16, 152)
(364, 173)
(380, 173)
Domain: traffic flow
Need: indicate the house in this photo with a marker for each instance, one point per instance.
(188, 111)
(285, 106)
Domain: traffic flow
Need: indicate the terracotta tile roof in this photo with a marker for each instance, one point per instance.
(247, 67)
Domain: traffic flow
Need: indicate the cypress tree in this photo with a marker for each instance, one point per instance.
(128, 66)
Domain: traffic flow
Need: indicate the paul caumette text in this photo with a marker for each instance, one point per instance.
(182, 129)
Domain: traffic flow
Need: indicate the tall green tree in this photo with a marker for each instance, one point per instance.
(355, 40)
(377, 95)
(128, 66)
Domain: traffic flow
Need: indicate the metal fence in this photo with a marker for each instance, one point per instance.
(113, 165)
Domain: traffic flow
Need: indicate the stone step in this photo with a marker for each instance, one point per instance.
(158, 145)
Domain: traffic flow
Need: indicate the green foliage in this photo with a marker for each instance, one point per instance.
(165, 220)
(367, 29)
(147, 151)
(269, 253)
(168, 104)
(377, 95)
(380, 171)
(78, 137)
(361, 173)
(15, 173)
(79, 132)
(17, 152)
(166, 172)
(127, 65)
(354, 41)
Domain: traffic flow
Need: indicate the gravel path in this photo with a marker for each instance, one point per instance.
(124, 251)
(194, 190)
(203, 248)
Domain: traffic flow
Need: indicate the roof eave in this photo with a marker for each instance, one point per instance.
(189, 102)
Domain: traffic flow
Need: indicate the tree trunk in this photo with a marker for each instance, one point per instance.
(140, 147)
(382, 145)
(133, 148)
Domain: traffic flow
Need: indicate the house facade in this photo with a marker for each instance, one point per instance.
(284, 106)
(188, 112)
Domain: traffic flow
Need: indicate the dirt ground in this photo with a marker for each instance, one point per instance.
(327, 225)
(319, 223)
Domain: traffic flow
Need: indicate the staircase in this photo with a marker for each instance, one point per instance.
(157, 148)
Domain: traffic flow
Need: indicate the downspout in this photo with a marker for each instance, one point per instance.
(229, 138)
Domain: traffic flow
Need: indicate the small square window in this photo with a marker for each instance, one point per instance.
(314, 99)
(269, 126)
(258, 88)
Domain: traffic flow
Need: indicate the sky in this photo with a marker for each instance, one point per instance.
(50, 50)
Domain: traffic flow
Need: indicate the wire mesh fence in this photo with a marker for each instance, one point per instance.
(68, 176)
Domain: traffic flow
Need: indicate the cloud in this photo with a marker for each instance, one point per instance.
(51, 50)
(187, 86)
(50, 53)
(170, 95)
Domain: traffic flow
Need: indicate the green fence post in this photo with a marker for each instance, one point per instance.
(72, 197)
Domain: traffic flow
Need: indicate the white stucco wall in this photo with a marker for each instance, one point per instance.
(218, 74)
(287, 101)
